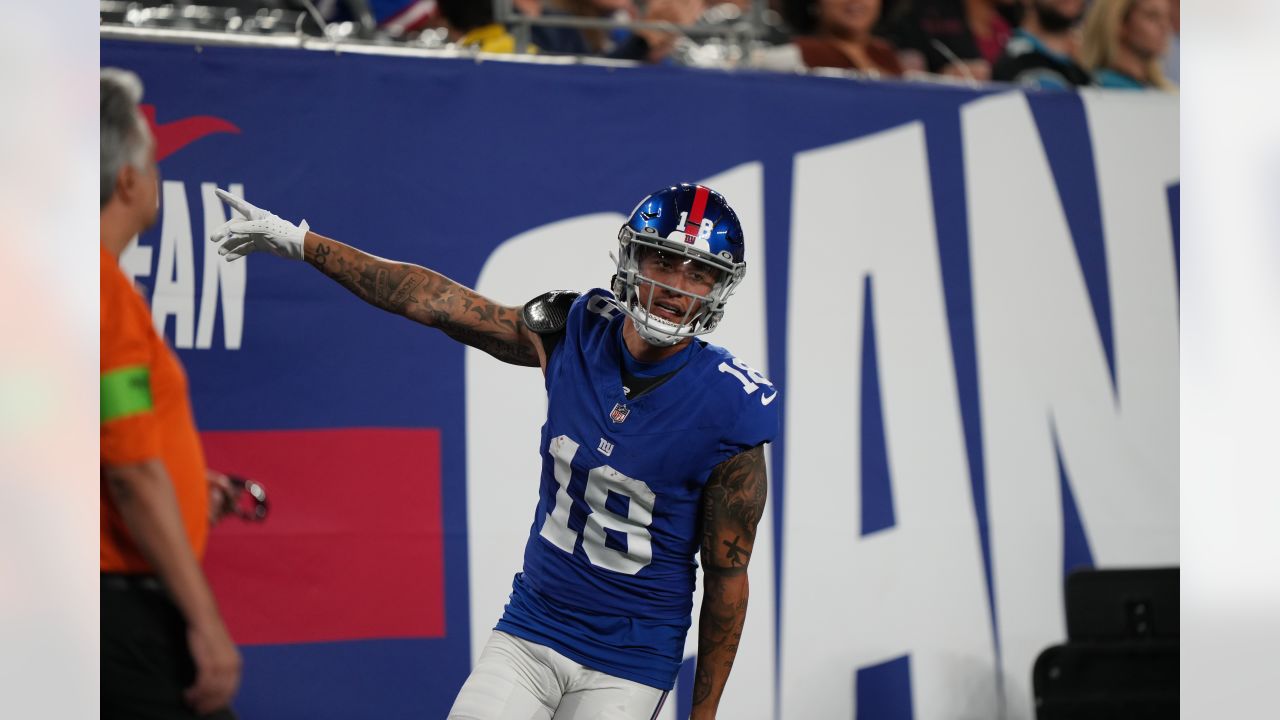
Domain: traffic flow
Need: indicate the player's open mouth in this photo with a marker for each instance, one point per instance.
(668, 312)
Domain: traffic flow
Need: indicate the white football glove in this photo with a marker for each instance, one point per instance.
(255, 230)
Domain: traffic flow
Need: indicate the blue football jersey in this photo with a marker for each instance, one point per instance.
(609, 568)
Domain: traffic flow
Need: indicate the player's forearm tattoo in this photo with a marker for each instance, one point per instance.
(701, 685)
(732, 504)
(720, 624)
(321, 255)
(427, 297)
(724, 612)
(405, 289)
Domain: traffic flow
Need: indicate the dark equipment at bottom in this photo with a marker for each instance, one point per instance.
(1120, 661)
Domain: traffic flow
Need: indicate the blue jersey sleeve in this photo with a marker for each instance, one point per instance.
(756, 425)
(751, 399)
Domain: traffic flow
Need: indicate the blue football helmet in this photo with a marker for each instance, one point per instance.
(695, 225)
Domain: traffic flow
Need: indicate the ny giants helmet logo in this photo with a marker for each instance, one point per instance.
(702, 232)
(696, 226)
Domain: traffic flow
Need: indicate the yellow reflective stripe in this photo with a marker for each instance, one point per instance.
(126, 391)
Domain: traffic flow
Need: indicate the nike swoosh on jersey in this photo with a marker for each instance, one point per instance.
(766, 400)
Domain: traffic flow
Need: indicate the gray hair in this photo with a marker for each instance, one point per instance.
(125, 137)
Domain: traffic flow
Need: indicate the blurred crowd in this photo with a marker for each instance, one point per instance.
(1045, 44)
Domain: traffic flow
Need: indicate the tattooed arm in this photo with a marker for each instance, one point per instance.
(732, 504)
(428, 297)
(409, 290)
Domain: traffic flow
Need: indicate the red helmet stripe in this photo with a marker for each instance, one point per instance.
(695, 214)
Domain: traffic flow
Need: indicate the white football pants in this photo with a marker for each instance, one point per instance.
(516, 679)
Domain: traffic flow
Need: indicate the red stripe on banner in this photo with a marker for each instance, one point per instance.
(173, 136)
(353, 546)
(699, 207)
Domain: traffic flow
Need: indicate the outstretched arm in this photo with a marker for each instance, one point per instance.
(427, 297)
(732, 505)
(413, 291)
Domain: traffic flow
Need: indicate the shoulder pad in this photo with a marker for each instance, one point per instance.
(547, 313)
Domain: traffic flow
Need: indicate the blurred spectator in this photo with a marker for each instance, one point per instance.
(601, 42)
(1170, 62)
(961, 38)
(474, 24)
(774, 30)
(1123, 42)
(559, 40)
(1040, 53)
(654, 46)
(833, 34)
(360, 12)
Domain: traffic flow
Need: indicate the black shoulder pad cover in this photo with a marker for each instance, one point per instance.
(548, 313)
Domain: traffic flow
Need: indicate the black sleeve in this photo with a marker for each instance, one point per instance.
(547, 315)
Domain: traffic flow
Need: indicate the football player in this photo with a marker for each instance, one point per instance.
(652, 451)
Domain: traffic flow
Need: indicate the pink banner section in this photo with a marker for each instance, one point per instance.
(353, 547)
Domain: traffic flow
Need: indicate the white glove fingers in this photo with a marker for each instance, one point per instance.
(258, 230)
(236, 243)
(240, 206)
(221, 233)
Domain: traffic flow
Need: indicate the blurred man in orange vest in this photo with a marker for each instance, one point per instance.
(165, 650)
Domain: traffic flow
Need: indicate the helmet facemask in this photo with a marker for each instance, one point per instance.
(703, 312)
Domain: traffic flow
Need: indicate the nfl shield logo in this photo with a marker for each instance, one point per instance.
(619, 413)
